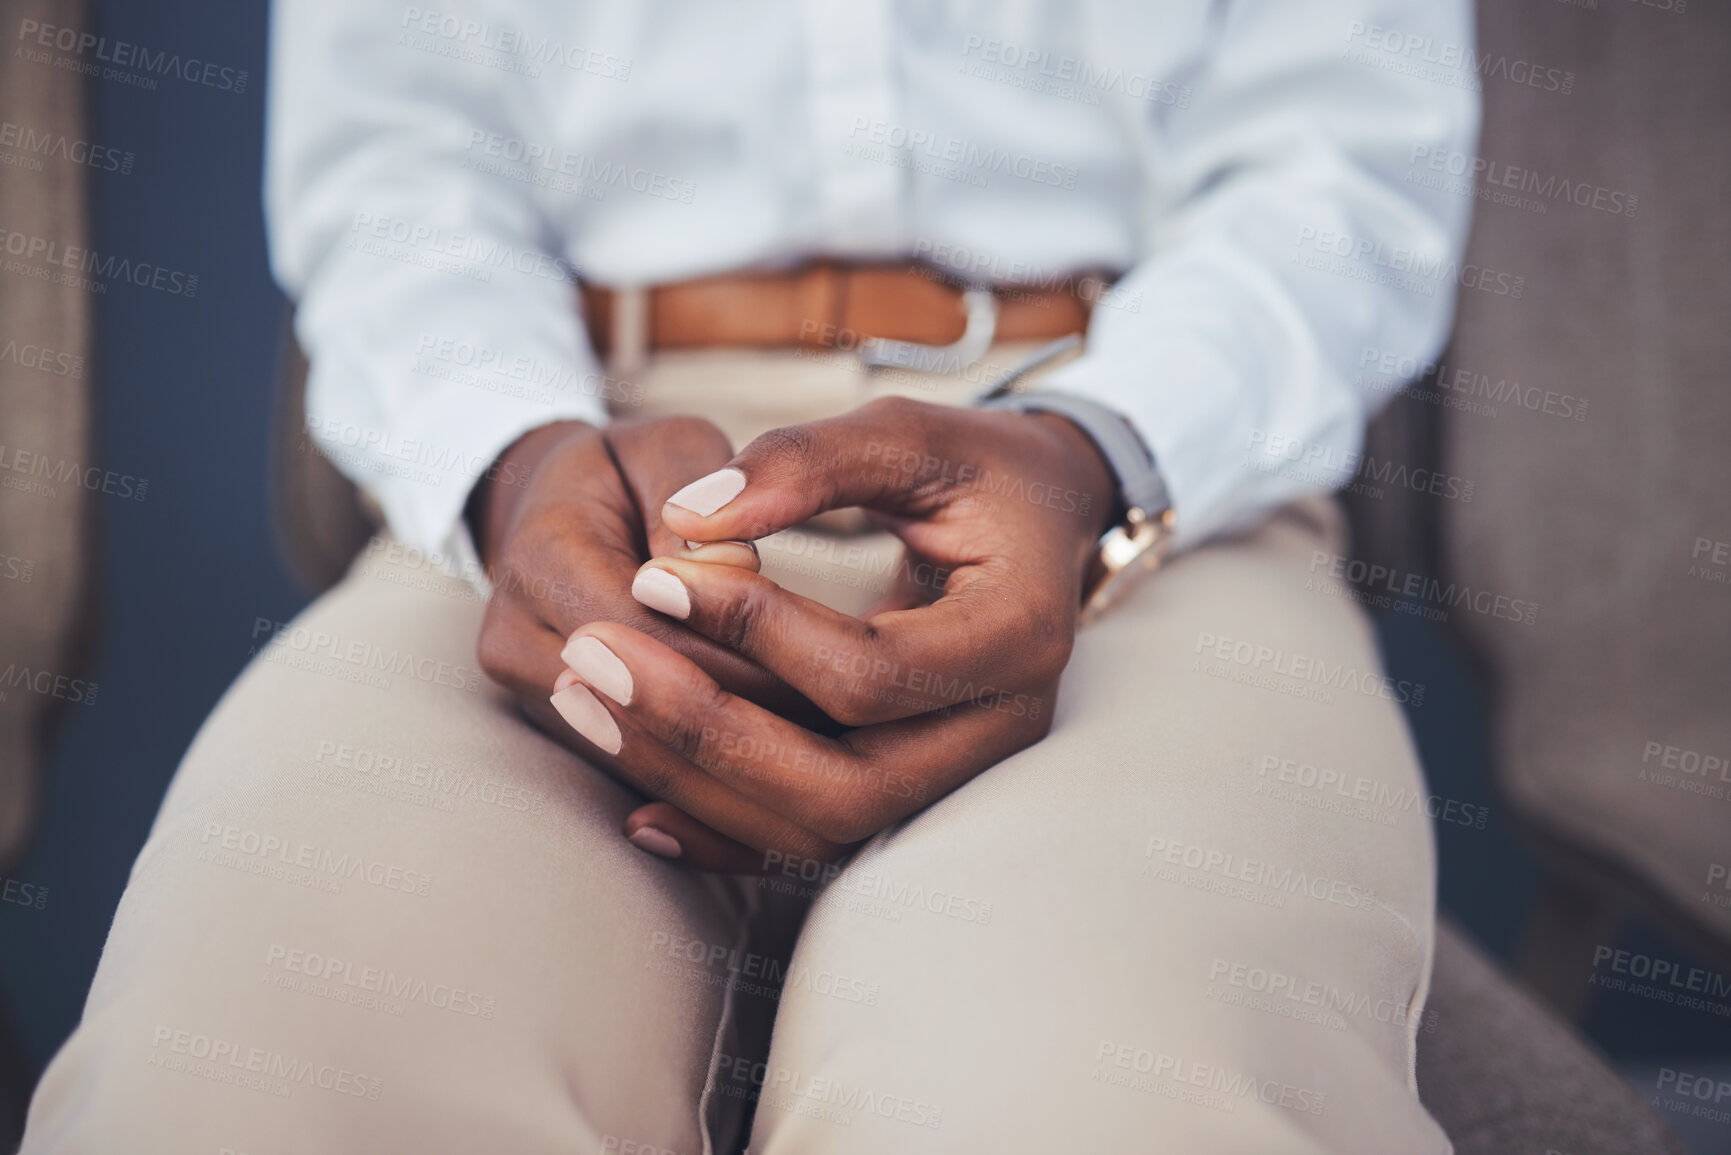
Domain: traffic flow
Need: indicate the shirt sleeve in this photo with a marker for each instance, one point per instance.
(437, 312)
(1290, 236)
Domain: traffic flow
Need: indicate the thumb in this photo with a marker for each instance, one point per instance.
(878, 456)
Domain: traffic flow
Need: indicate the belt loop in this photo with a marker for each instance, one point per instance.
(630, 336)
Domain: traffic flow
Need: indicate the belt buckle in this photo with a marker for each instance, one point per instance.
(982, 328)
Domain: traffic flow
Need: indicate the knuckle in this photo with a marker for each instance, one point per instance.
(689, 730)
(852, 706)
(1051, 634)
(844, 821)
(830, 828)
(676, 638)
(796, 446)
(846, 832)
(691, 429)
(658, 780)
(804, 846)
(894, 407)
(1032, 725)
(683, 734)
(1054, 655)
(823, 850)
(528, 561)
(850, 692)
(493, 648)
(508, 572)
(737, 620)
(526, 546)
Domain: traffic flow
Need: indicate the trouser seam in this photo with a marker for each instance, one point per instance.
(741, 943)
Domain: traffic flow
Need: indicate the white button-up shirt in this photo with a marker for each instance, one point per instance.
(440, 174)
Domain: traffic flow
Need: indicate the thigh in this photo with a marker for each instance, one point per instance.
(1196, 918)
(377, 912)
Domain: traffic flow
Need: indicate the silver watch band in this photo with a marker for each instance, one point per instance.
(1139, 480)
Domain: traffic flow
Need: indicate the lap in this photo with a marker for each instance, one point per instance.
(1200, 908)
(379, 912)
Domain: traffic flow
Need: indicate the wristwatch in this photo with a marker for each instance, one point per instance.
(1135, 545)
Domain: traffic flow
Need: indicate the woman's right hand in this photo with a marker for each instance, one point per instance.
(563, 521)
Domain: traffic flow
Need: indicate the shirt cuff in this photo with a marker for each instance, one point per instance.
(1191, 433)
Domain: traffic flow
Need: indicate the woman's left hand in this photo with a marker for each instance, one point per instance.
(1007, 507)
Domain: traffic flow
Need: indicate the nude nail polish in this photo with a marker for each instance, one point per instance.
(600, 667)
(708, 494)
(656, 841)
(585, 714)
(742, 543)
(660, 590)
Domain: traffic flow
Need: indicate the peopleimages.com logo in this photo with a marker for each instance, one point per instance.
(135, 63)
(87, 269)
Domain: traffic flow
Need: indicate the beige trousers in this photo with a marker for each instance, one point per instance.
(379, 913)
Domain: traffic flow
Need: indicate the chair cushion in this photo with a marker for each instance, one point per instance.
(46, 421)
(1505, 1076)
(322, 521)
(1602, 481)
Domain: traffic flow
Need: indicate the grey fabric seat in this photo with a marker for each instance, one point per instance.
(1616, 519)
(1583, 401)
(1591, 502)
(1505, 1076)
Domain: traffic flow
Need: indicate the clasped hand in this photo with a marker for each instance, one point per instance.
(764, 725)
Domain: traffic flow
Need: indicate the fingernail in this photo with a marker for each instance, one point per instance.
(585, 714)
(738, 554)
(565, 678)
(656, 842)
(660, 590)
(708, 494)
(600, 667)
(694, 546)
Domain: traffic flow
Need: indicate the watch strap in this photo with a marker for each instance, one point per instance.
(1131, 461)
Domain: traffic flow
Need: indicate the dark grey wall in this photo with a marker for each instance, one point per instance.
(184, 401)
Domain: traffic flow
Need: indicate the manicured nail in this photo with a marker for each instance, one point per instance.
(565, 678)
(708, 494)
(660, 590)
(741, 543)
(738, 554)
(585, 714)
(600, 667)
(656, 842)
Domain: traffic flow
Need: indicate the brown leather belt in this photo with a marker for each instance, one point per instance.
(829, 304)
